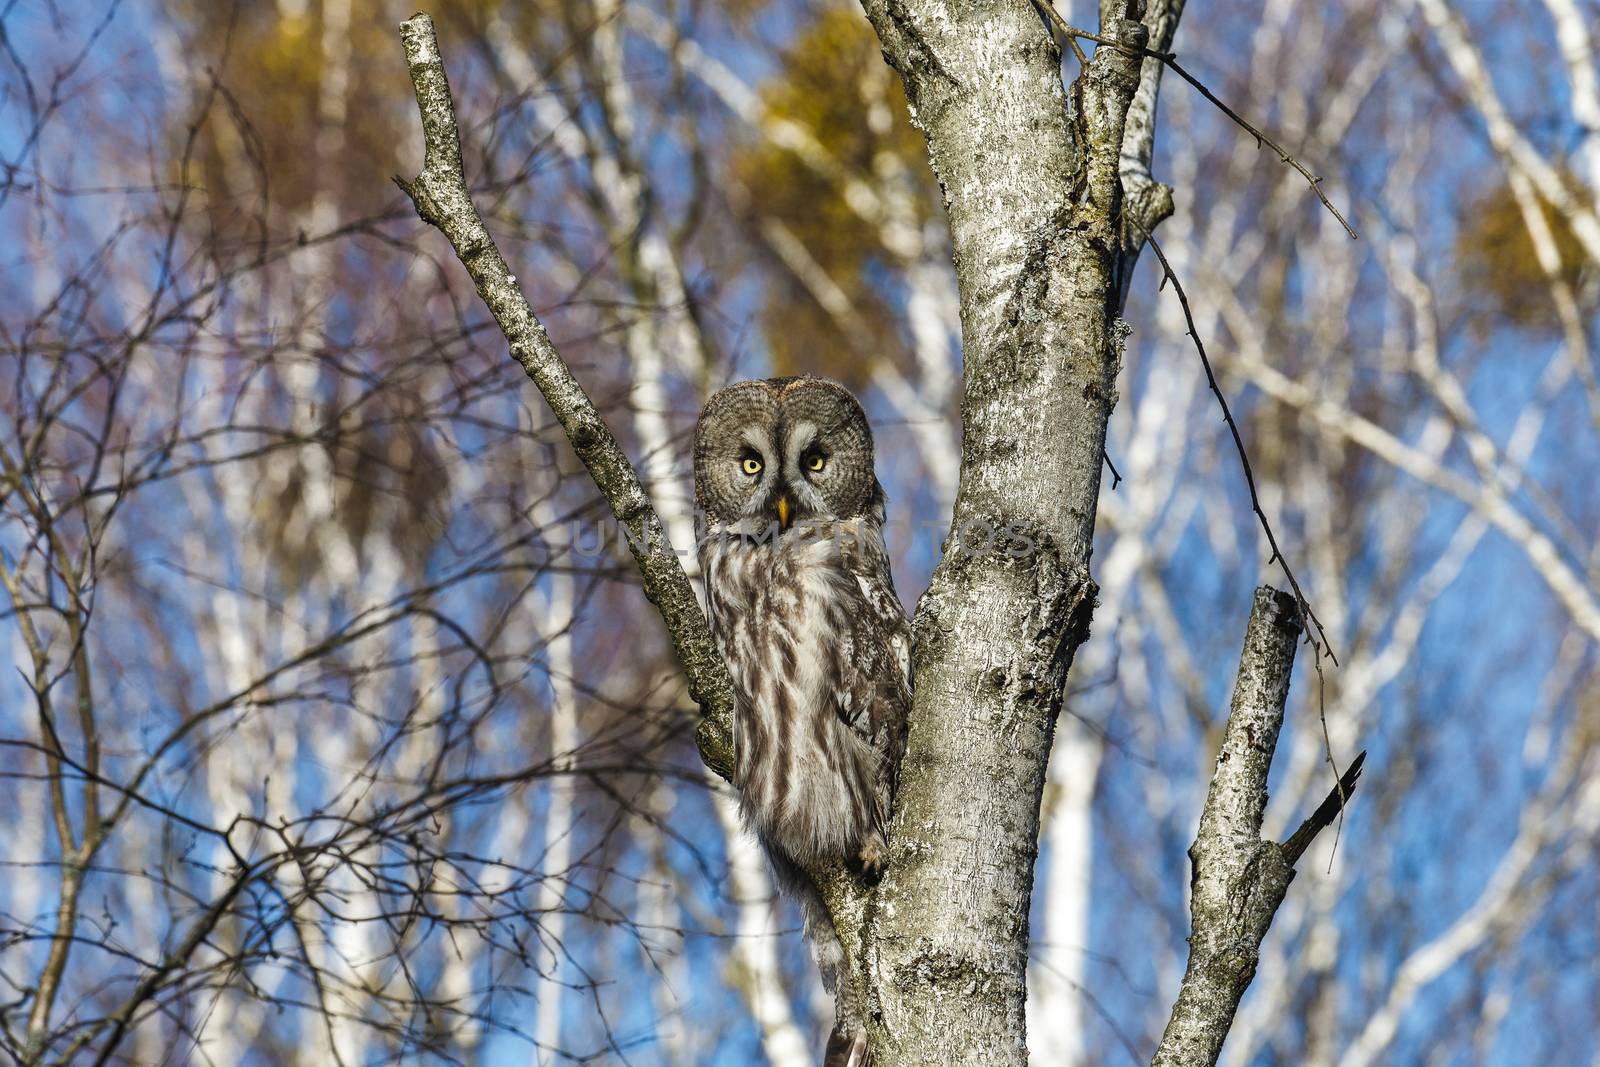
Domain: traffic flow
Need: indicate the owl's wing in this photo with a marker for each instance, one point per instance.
(876, 663)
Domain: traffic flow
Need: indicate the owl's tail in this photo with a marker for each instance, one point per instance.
(847, 1041)
(845, 1050)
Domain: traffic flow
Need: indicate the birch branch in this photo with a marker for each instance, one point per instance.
(1167, 22)
(442, 200)
(1147, 201)
(1238, 879)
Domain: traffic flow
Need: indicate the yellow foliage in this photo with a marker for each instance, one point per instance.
(260, 139)
(1500, 266)
(835, 85)
(273, 60)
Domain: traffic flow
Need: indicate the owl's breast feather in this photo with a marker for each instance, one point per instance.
(782, 613)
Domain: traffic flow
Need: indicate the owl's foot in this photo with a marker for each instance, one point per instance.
(846, 1049)
(872, 859)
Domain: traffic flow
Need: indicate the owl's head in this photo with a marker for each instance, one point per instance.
(783, 450)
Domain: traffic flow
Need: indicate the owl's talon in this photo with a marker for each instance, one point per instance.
(872, 859)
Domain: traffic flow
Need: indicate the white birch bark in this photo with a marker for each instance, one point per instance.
(1057, 989)
(1238, 879)
(556, 618)
(1034, 264)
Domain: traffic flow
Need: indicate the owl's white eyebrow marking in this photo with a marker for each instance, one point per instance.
(757, 438)
(800, 436)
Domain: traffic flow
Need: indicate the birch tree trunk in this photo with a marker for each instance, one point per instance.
(1032, 199)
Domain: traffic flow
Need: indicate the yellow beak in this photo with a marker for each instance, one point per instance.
(783, 511)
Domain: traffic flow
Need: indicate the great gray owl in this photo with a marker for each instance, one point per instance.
(804, 610)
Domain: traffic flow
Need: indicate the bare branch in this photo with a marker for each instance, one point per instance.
(1171, 60)
(1238, 879)
(442, 200)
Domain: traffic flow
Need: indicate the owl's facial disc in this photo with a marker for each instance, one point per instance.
(783, 452)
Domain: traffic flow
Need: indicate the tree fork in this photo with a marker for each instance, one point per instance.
(1032, 193)
(1239, 880)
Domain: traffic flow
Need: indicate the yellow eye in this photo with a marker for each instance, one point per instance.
(816, 463)
(751, 466)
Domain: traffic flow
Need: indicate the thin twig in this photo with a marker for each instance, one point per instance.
(1333, 765)
(1316, 636)
(1170, 59)
(1116, 476)
(1319, 639)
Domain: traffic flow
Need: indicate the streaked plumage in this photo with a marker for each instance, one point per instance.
(803, 607)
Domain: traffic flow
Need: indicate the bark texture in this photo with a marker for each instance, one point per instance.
(441, 198)
(1031, 186)
(1149, 202)
(1238, 880)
